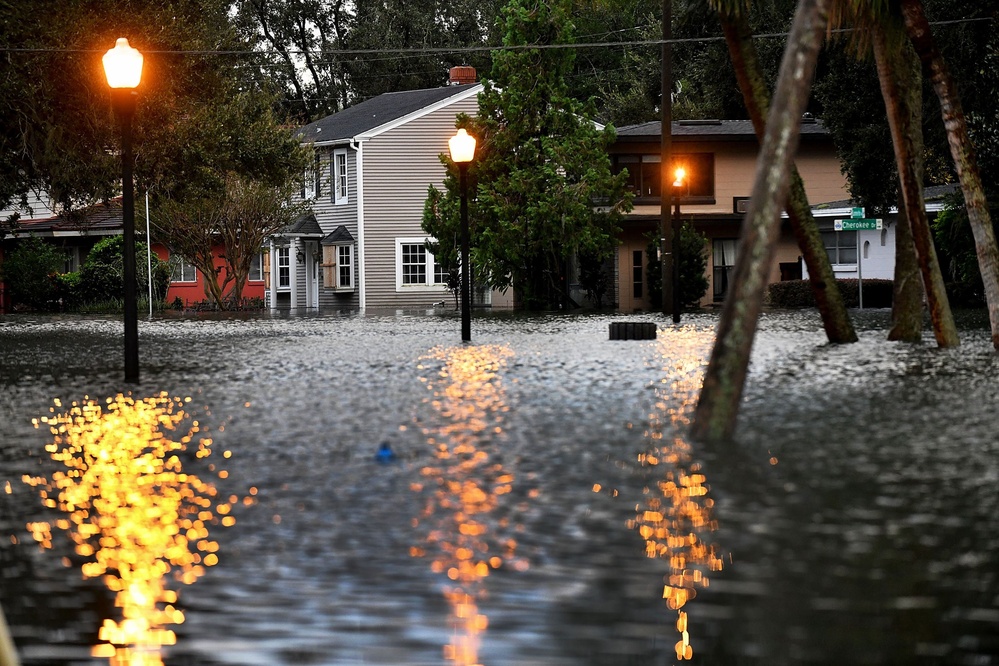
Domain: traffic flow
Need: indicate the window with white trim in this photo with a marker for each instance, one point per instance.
(284, 267)
(415, 267)
(182, 270)
(339, 177)
(256, 269)
(841, 246)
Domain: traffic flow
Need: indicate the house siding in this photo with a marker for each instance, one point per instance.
(399, 166)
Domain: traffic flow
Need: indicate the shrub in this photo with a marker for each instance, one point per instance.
(102, 275)
(798, 293)
(31, 272)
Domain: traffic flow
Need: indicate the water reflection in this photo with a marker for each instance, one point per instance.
(676, 514)
(134, 515)
(467, 538)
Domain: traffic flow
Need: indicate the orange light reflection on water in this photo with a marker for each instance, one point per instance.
(135, 516)
(466, 540)
(677, 510)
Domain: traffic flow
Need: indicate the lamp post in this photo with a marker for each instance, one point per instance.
(679, 175)
(123, 68)
(462, 148)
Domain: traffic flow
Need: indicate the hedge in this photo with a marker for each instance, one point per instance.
(798, 293)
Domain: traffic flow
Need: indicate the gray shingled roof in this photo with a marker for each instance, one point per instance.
(306, 225)
(708, 129)
(375, 112)
(338, 235)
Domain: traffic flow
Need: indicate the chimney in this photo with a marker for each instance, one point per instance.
(461, 75)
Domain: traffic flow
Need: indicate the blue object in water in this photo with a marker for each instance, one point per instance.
(385, 453)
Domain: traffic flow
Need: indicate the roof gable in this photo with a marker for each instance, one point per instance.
(376, 112)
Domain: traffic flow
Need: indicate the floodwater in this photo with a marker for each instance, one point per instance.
(543, 504)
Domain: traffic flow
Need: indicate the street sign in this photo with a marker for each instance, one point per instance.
(857, 214)
(855, 224)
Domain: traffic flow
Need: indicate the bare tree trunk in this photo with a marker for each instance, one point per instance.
(900, 87)
(963, 153)
(907, 289)
(822, 280)
(724, 380)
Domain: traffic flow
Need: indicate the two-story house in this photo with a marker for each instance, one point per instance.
(363, 244)
(719, 157)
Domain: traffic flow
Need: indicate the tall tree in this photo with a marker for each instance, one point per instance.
(200, 111)
(749, 74)
(725, 377)
(901, 91)
(300, 43)
(238, 219)
(541, 165)
(962, 152)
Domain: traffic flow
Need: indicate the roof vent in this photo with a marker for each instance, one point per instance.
(807, 118)
(461, 75)
(693, 123)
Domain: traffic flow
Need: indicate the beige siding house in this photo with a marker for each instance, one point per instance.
(720, 160)
(363, 245)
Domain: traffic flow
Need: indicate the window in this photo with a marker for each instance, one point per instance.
(338, 267)
(256, 269)
(645, 175)
(415, 266)
(72, 262)
(345, 266)
(340, 177)
(312, 181)
(723, 255)
(841, 246)
(182, 270)
(284, 267)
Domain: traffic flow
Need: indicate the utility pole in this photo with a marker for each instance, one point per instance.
(666, 240)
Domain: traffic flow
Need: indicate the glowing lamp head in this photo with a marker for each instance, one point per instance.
(679, 175)
(462, 147)
(123, 65)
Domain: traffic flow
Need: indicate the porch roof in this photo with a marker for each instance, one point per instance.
(701, 130)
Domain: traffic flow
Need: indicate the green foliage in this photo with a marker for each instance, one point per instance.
(544, 191)
(102, 273)
(31, 272)
(595, 277)
(957, 253)
(693, 250)
(198, 113)
(798, 293)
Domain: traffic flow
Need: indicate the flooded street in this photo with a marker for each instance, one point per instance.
(542, 504)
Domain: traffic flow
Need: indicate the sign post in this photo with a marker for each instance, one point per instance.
(858, 222)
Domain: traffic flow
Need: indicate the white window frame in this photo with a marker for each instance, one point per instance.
(430, 267)
(339, 177)
(840, 247)
(344, 260)
(282, 257)
(256, 273)
(179, 265)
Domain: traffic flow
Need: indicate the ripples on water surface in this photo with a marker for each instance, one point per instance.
(544, 506)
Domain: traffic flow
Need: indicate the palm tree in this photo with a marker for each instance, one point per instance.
(749, 73)
(901, 90)
(962, 152)
(724, 379)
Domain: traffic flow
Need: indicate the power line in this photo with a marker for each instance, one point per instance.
(451, 49)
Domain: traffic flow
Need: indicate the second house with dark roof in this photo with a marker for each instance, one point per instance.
(363, 245)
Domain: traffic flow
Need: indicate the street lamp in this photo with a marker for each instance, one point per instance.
(679, 174)
(462, 148)
(123, 68)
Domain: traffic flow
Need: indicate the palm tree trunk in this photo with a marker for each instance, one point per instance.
(724, 380)
(907, 288)
(900, 87)
(749, 73)
(962, 152)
